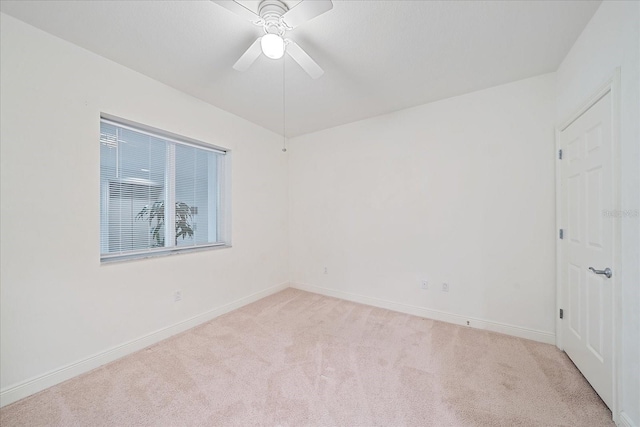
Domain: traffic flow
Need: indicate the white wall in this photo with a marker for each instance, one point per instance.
(59, 305)
(610, 40)
(458, 191)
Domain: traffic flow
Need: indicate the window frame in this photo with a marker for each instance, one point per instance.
(223, 208)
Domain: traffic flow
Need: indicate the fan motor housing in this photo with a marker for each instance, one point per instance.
(271, 12)
(272, 6)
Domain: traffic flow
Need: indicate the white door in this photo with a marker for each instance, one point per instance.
(587, 203)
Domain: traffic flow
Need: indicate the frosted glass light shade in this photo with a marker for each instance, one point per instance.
(272, 46)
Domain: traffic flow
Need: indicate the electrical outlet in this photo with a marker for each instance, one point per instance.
(177, 295)
(445, 287)
(424, 285)
(326, 270)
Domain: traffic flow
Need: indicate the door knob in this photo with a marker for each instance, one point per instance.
(607, 272)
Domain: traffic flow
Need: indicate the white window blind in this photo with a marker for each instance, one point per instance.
(158, 194)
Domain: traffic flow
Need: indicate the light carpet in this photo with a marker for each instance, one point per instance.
(297, 359)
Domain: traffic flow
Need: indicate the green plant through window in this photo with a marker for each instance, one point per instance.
(155, 214)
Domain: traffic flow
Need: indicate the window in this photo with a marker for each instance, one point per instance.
(159, 193)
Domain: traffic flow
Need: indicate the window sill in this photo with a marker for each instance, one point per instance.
(110, 259)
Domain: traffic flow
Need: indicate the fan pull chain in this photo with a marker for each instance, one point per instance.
(284, 115)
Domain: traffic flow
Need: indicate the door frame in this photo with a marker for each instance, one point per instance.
(612, 85)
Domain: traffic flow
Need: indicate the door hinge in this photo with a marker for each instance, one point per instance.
(561, 313)
(561, 233)
(560, 154)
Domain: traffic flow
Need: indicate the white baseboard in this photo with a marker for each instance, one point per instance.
(625, 421)
(516, 331)
(26, 388)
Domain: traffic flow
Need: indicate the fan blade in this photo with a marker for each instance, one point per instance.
(249, 56)
(305, 11)
(304, 60)
(238, 9)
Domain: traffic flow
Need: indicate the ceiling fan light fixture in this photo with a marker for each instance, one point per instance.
(272, 46)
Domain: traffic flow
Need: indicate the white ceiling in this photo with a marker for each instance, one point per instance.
(378, 56)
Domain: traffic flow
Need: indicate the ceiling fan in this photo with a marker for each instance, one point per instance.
(276, 19)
